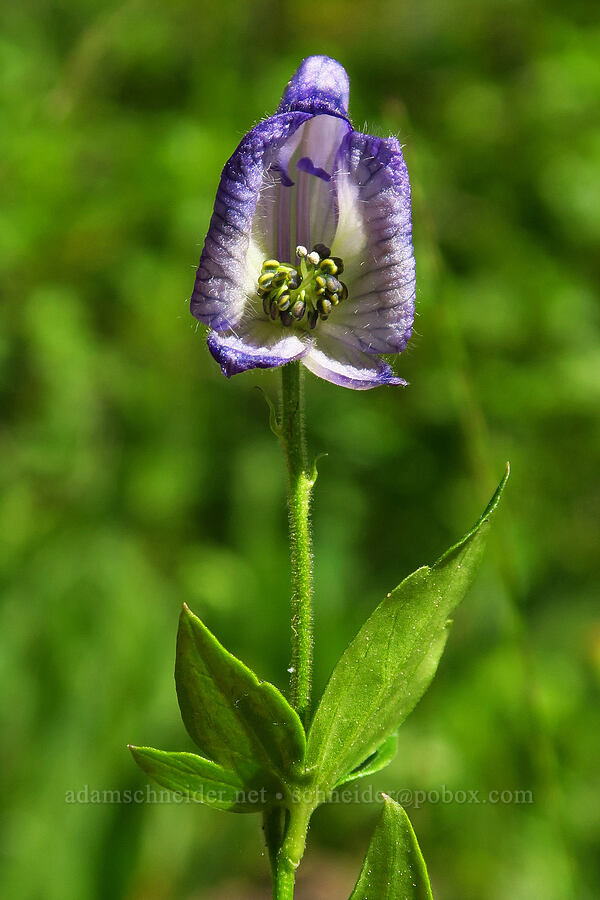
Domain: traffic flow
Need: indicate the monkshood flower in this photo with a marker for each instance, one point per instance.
(309, 252)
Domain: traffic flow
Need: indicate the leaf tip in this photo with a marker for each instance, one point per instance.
(186, 614)
(491, 507)
(393, 812)
(483, 520)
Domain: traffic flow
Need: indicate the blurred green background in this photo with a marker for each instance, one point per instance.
(134, 476)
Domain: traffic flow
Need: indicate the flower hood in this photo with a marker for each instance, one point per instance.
(302, 179)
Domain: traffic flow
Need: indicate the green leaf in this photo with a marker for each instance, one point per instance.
(202, 780)
(375, 762)
(244, 724)
(389, 665)
(394, 868)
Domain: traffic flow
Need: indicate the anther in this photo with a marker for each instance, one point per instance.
(301, 251)
(270, 264)
(313, 258)
(322, 250)
(328, 265)
(324, 307)
(298, 309)
(286, 317)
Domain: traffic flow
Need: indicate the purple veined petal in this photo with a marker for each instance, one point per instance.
(257, 344)
(297, 203)
(314, 162)
(347, 366)
(374, 238)
(319, 85)
(231, 259)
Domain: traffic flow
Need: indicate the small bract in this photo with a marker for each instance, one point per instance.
(309, 252)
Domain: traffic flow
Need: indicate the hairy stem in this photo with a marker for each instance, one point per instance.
(285, 831)
(300, 484)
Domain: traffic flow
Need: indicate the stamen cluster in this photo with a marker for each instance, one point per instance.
(310, 289)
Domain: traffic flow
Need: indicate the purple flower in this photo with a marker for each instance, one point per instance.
(309, 253)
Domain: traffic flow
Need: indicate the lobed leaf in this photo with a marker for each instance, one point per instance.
(389, 665)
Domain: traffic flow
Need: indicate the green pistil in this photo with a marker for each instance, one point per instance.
(304, 293)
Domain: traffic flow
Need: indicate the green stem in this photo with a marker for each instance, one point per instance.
(300, 484)
(286, 840)
(291, 852)
(273, 827)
